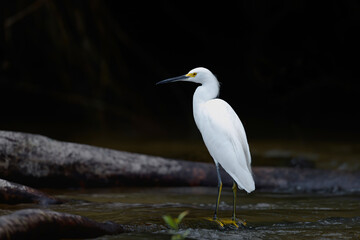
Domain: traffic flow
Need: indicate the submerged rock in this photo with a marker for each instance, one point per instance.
(46, 224)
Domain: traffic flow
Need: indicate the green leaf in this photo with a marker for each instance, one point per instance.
(181, 216)
(170, 221)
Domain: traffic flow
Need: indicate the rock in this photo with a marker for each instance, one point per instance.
(42, 162)
(47, 224)
(302, 162)
(287, 179)
(12, 193)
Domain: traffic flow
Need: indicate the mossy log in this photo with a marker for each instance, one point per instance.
(47, 224)
(39, 161)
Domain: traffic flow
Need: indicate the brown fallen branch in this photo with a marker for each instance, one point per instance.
(12, 193)
(42, 162)
(46, 224)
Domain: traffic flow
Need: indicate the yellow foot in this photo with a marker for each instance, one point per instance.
(231, 222)
(221, 225)
(227, 222)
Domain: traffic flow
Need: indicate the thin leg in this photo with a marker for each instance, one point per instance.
(219, 191)
(234, 188)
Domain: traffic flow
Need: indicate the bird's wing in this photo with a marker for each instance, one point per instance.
(226, 141)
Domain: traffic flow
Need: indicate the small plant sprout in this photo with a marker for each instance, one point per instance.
(174, 223)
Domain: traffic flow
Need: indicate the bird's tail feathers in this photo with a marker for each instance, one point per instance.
(247, 182)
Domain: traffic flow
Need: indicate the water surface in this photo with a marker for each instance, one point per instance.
(268, 215)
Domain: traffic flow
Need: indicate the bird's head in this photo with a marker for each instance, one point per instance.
(197, 75)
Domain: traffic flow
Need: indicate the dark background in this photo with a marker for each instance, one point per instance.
(80, 70)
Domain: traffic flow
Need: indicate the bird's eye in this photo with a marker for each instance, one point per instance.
(191, 74)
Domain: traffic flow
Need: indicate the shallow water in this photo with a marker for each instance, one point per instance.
(268, 215)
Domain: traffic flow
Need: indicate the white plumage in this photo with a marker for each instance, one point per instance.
(224, 137)
(221, 129)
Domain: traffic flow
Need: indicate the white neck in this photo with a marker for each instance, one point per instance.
(202, 94)
(207, 91)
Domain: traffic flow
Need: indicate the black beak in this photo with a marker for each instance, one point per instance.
(174, 79)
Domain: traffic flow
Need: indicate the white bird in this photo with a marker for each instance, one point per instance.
(222, 132)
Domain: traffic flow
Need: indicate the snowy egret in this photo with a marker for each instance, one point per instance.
(222, 132)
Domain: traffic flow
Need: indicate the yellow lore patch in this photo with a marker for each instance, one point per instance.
(191, 74)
